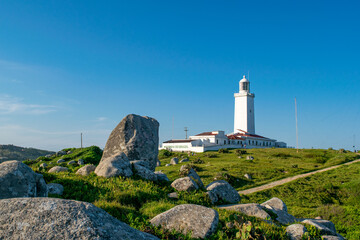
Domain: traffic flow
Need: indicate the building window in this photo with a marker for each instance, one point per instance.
(224, 141)
(217, 141)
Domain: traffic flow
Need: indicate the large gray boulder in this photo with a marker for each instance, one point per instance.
(144, 172)
(250, 209)
(55, 188)
(296, 231)
(137, 137)
(325, 227)
(174, 161)
(199, 220)
(278, 207)
(115, 166)
(51, 218)
(185, 184)
(86, 170)
(223, 191)
(161, 176)
(58, 169)
(19, 180)
(186, 170)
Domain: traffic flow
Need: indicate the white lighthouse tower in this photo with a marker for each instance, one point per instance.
(244, 108)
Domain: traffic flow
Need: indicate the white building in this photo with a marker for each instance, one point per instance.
(244, 129)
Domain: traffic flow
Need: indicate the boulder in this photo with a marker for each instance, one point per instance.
(329, 237)
(250, 209)
(173, 195)
(278, 207)
(19, 180)
(174, 161)
(141, 163)
(43, 165)
(81, 162)
(72, 162)
(52, 218)
(184, 160)
(60, 160)
(185, 184)
(60, 153)
(224, 191)
(325, 227)
(49, 155)
(168, 165)
(55, 188)
(144, 172)
(114, 166)
(296, 231)
(247, 176)
(199, 220)
(86, 170)
(69, 152)
(161, 176)
(137, 137)
(58, 169)
(249, 158)
(186, 170)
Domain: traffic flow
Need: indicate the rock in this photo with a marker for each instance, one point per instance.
(250, 209)
(141, 163)
(325, 227)
(185, 184)
(137, 137)
(249, 158)
(19, 180)
(199, 220)
(114, 166)
(43, 165)
(173, 195)
(86, 170)
(158, 163)
(184, 160)
(69, 152)
(174, 161)
(295, 231)
(278, 207)
(213, 197)
(318, 217)
(329, 237)
(60, 160)
(144, 172)
(60, 153)
(48, 156)
(161, 176)
(81, 162)
(72, 162)
(58, 169)
(55, 188)
(248, 176)
(52, 218)
(168, 165)
(186, 170)
(224, 191)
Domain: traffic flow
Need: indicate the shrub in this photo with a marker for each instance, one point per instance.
(164, 154)
(240, 152)
(210, 155)
(341, 150)
(223, 150)
(198, 161)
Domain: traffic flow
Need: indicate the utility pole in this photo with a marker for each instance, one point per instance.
(186, 130)
(354, 141)
(81, 140)
(297, 134)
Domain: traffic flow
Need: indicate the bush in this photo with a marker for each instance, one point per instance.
(341, 150)
(198, 161)
(240, 152)
(210, 155)
(164, 154)
(223, 150)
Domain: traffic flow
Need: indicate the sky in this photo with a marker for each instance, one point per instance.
(71, 67)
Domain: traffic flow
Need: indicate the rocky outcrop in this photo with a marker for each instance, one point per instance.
(19, 180)
(51, 218)
(185, 184)
(118, 165)
(200, 221)
(58, 169)
(295, 231)
(223, 191)
(55, 188)
(86, 170)
(278, 207)
(186, 170)
(144, 172)
(250, 209)
(137, 137)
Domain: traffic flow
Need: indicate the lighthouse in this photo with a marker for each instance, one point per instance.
(244, 118)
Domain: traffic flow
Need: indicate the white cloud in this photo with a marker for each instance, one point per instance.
(12, 105)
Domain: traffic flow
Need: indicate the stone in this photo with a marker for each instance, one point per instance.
(161, 176)
(325, 227)
(199, 220)
(81, 162)
(213, 197)
(19, 180)
(141, 163)
(329, 237)
(72, 162)
(174, 161)
(86, 170)
(249, 158)
(58, 169)
(185, 184)
(52, 218)
(69, 152)
(168, 165)
(137, 137)
(186, 170)
(250, 209)
(224, 191)
(43, 165)
(114, 166)
(48, 156)
(60, 153)
(55, 188)
(60, 160)
(173, 195)
(184, 160)
(158, 163)
(295, 231)
(247, 176)
(144, 172)
(278, 207)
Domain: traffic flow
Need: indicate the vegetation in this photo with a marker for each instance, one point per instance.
(12, 152)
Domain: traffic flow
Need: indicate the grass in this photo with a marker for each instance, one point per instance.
(268, 165)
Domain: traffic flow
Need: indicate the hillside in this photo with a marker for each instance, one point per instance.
(21, 153)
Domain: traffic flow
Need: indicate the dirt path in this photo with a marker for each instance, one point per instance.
(289, 179)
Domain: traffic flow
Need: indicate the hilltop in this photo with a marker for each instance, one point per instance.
(12, 152)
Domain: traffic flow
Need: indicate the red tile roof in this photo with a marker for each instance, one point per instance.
(206, 134)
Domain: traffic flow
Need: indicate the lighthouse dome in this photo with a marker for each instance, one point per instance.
(244, 85)
(244, 79)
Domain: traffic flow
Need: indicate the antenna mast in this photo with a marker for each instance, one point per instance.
(81, 140)
(297, 133)
(186, 130)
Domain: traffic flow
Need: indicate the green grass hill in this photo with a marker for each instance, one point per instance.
(12, 152)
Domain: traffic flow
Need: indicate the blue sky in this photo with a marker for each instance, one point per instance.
(68, 67)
